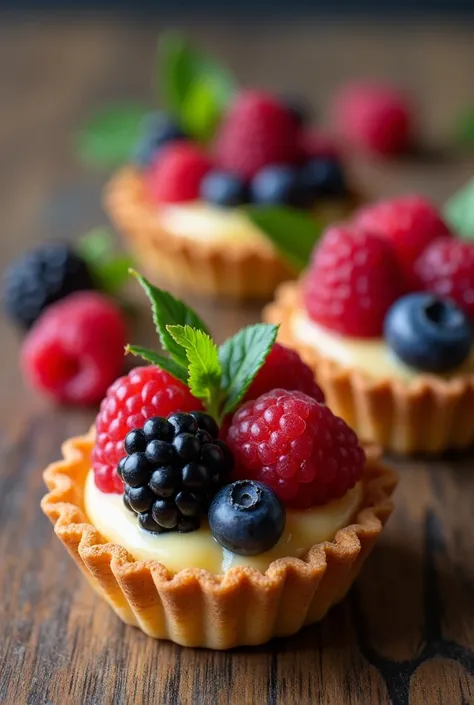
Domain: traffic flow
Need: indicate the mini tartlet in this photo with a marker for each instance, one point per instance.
(226, 529)
(392, 394)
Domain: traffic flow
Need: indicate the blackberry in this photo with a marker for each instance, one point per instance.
(40, 278)
(172, 469)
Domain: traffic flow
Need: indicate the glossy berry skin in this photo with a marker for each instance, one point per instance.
(75, 349)
(279, 185)
(176, 173)
(155, 130)
(144, 393)
(374, 118)
(446, 268)
(223, 189)
(323, 178)
(352, 282)
(411, 223)
(284, 369)
(256, 132)
(429, 333)
(297, 446)
(40, 278)
(247, 517)
(171, 475)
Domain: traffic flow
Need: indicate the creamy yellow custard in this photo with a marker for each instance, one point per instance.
(369, 355)
(198, 549)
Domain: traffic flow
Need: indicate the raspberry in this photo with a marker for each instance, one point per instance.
(284, 369)
(176, 173)
(297, 446)
(411, 223)
(446, 268)
(313, 144)
(40, 278)
(75, 349)
(257, 131)
(130, 401)
(373, 118)
(352, 282)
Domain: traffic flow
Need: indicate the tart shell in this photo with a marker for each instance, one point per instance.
(428, 415)
(193, 607)
(252, 271)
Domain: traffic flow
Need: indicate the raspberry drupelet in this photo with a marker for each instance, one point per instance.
(297, 446)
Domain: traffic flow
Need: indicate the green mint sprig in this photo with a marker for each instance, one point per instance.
(218, 376)
(459, 211)
(108, 267)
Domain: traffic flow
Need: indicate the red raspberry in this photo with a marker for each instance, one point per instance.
(129, 402)
(256, 132)
(76, 348)
(410, 222)
(176, 173)
(352, 282)
(313, 144)
(373, 118)
(284, 369)
(446, 268)
(296, 446)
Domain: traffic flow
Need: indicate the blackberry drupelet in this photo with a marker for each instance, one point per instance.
(40, 278)
(173, 469)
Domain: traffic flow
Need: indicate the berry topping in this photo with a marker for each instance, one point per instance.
(156, 129)
(297, 446)
(223, 189)
(323, 178)
(279, 184)
(256, 132)
(352, 282)
(313, 144)
(75, 349)
(247, 517)
(40, 278)
(411, 223)
(284, 369)
(144, 393)
(172, 469)
(446, 268)
(176, 174)
(429, 333)
(373, 118)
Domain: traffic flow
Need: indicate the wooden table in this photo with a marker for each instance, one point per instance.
(406, 632)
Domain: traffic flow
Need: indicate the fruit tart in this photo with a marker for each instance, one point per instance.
(384, 316)
(184, 202)
(218, 501)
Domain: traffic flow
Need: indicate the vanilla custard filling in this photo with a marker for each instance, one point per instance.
(198, 549)
(369, 355)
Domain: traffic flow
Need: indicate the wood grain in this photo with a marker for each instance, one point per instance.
(406, 632)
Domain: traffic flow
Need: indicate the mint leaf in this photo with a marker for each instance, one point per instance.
(165, 363)
(109, 135)
(204, 368)
(293, 232)
(241, 358)
(108, 268)
(459, 211)
(168, 311)
(194, 87)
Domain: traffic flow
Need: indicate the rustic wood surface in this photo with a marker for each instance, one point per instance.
(406, 632)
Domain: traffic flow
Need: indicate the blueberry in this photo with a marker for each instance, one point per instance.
(158, 428)
(427, 332)
(135, 441)
(279, 185)
(155, 130)
(247, 517)
(136, 470)
(223, 189)
(323, 177)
